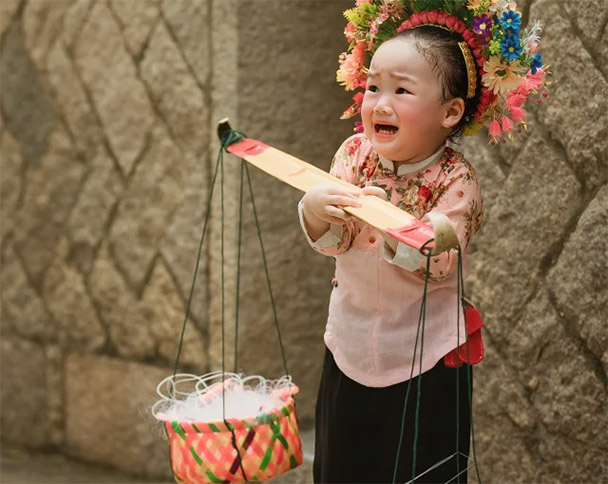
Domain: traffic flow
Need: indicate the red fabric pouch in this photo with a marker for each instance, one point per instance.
(458, 356)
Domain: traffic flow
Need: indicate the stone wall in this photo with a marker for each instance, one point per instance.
(108, 115)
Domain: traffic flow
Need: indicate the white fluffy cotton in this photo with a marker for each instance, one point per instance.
(210, 400)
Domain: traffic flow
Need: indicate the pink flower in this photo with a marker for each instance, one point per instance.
(349, 31)
(358, 127)
(363, 2)
(358, 98)
(517, 113)
(507, 124)
(351, 66)
(515, 99)
(495, 130)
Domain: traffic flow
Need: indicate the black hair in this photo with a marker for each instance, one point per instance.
(441, 50)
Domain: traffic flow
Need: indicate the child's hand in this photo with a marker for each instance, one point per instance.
(324, 203)
(322, 206)
(377, 191)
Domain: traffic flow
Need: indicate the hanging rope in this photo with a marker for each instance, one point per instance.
(424, 250)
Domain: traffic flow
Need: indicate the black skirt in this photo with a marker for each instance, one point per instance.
(358, 428)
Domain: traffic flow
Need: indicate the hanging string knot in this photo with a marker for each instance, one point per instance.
(231, 136)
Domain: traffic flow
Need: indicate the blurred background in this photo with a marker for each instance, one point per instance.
(108, 145)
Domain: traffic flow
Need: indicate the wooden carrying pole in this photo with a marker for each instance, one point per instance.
(378, 213)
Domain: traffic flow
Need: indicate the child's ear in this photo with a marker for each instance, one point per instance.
(453, 112)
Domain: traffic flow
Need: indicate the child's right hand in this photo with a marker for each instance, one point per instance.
(323, 205)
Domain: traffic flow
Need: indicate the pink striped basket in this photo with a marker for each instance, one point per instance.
(203, 452)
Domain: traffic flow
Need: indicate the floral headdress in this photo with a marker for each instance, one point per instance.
(510, 66)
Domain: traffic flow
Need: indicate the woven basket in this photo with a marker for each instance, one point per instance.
(203, 452)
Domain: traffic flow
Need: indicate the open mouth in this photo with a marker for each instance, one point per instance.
(385, 128)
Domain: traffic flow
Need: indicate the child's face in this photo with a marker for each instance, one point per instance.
(402, 112)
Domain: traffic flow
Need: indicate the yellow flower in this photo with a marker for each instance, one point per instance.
(501, 78)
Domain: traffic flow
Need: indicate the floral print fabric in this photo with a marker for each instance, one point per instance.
(449, 186)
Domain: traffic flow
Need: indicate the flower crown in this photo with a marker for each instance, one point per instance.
(510, 66)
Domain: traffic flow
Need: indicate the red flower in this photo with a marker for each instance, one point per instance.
(425, 193)
(368, 168)
(353, 145)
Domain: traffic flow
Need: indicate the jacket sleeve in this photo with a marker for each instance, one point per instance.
(462, 203)
(338, 238)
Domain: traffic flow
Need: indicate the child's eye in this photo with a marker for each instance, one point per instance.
(372, 88)
(402, 90)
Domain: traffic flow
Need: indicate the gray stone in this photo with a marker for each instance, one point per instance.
(23, 311)
(27, 108)
(66, 296)
(51, 188)
(120, 98)
(73, 19)
(8, 9)
(164, 314)
(179, 247)
(91, 215)
(188, 20)
(523, 233)
(589, 17)
(108, 417)
(70, 95)
(42, 24)
(579, 279)
(11, 165)
(137, 20)
(175, 92)
(129, 329)
(569, 117)
(23, 392)
(144, 211)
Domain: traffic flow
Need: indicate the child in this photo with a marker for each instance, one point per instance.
(422, 88)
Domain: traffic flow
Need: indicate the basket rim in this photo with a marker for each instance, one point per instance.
(285, 410)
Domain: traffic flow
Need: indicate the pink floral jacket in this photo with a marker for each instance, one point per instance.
(374, 307)
(449, 185)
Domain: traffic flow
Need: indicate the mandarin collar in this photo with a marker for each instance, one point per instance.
(408, 168)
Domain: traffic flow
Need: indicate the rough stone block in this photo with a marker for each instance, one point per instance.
(164, 312)
(120, 98)
(51, 188)
(67, 298)
(8, 9)
(579, 279)
(136, 20)
(175, 92)
(573, 119)
(73, 101)
(11, 164)
(23, 311)
(188, 20)
(23, 392)
(108, 417)
(153, 193)
(42, 24)
(27, 108)
(90, 217)
(118, 308)
(518, 236)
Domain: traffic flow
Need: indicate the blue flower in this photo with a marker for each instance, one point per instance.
(537, 63)
(510, 48)
(511, 20)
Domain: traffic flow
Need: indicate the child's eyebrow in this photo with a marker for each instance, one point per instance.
(397, 75)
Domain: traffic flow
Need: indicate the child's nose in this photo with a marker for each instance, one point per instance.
(382, 107)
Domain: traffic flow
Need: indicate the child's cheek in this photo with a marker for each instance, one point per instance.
(366, 116)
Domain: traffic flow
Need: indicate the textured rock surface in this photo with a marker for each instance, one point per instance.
(107, 129)
(108, 416)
